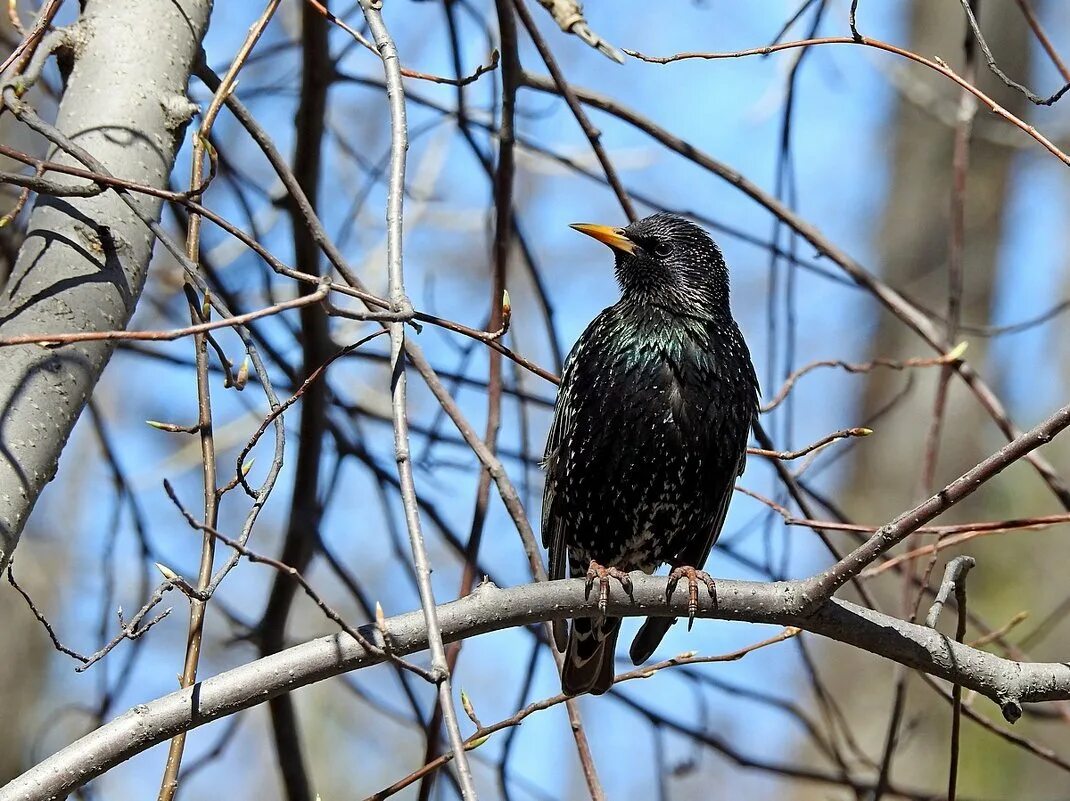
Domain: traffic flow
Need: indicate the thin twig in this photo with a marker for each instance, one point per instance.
(362, 40)
(954, 581)
(971, 17)
(504, 173)
(394, 221)
(199, 311)
(1042, 37)
(828, 439)
(52, 340)
(128, 630)
(956, 267)
(37, 613)
(21, 54)
(953, 534)
(911, 597)
(483, 733)
(936, 64)
(861, 367)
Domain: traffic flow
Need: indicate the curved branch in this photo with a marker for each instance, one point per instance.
(936, 64)
(489, 608)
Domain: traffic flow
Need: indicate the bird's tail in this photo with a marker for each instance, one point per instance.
(589, 656)
(649, 638)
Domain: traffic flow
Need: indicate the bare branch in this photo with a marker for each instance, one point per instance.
(990, 60)
(489, 608)
(899, 529)
(568, 14)
(813, 447)
(936, 64)
(395, 92)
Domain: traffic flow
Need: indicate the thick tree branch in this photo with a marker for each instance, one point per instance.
(83, 267)
(489, 608)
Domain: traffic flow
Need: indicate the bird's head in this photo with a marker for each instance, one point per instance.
(668, 261)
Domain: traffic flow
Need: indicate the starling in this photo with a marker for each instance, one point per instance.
(649, 433)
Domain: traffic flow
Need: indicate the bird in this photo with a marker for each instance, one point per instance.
(649, 434)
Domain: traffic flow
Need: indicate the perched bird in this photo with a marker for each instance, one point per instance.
(649, 433)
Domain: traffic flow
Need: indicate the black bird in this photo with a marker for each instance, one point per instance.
(649, 433)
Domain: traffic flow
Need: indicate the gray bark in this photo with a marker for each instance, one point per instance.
(489, 608)
(84, 261)
(25, 667)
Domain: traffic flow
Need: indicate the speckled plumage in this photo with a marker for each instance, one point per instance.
(649, 430)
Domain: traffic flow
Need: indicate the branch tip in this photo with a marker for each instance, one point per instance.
(957, 352)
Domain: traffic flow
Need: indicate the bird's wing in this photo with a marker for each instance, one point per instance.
(696, 551)
(573, 392)
(553, 530)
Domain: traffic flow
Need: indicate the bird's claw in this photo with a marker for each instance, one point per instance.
(693, 578)
(604, 574)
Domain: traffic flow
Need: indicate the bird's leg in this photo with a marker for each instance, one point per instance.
(693, 578)
(604, 574)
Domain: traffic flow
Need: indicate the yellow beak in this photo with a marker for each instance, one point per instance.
(614, 237)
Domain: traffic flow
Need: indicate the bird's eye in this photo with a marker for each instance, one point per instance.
(663, 249)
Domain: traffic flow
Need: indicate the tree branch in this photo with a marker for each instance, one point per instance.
(489, 608)
(86, 270)
(399, 143)
(885, 538)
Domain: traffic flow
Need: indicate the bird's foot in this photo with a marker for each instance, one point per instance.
(693, 578)
(604, 574)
